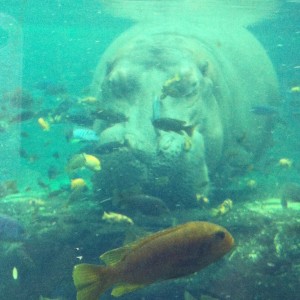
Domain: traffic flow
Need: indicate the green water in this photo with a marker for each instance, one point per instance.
(48, 57)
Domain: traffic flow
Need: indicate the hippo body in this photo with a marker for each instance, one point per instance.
(206, 77)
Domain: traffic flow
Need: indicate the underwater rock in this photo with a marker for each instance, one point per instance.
(10, 229)
(266, 252)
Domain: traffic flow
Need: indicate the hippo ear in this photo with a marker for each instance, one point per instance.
(109, 67)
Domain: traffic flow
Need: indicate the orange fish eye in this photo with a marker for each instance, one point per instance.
(220, 235)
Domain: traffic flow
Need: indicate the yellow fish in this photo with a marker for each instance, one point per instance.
(44, 124)
(92, 162)
(285, 162)
(77, 161)
(88, 99)
(223, 208)
(78, 184)
(112, 217)
(82, 160)
(15, 273)
(251, 184)
(201, 199)
(36, 202)
(172, 80)
(168, 87)
(295, 89)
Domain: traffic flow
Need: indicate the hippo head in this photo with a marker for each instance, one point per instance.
(175, 76)
(194, 73)
(150, 77)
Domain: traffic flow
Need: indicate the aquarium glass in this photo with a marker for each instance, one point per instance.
(168, 130)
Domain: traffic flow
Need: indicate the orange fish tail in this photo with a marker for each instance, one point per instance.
(91, 281)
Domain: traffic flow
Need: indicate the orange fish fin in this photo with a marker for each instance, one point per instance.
(151, 237)
(122, 289)
(112, 257)
(91, 281)
(188, 296)
(133, 234)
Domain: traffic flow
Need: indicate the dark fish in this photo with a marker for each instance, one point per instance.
(23, 153)
(23, 116)
(24, 134)
(51, 88)
(294, 103)
(64, 106)
(80, 119)
(10, 229)
(147, 205)
(167, 254)
(18, 97)
(42, 184)
(57, 193)
(110, 116)
(290, 192)
(169, 124)
(77, 161)
(264, 110)
(110, 147)
(11, 186)
(3, 128)
(56, 155)
(52, 172)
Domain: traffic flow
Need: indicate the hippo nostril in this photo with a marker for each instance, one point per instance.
(171, 145)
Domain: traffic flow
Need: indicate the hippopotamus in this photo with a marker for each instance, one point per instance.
(206, 77)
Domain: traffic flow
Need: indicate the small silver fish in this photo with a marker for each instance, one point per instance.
(264, 110)
(84, 134)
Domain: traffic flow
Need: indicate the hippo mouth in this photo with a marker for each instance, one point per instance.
(168, 171)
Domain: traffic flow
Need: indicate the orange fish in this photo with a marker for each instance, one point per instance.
(167, 254)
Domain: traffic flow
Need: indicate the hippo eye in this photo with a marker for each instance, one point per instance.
(220, 235)
(203, 67)
(119, 85)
